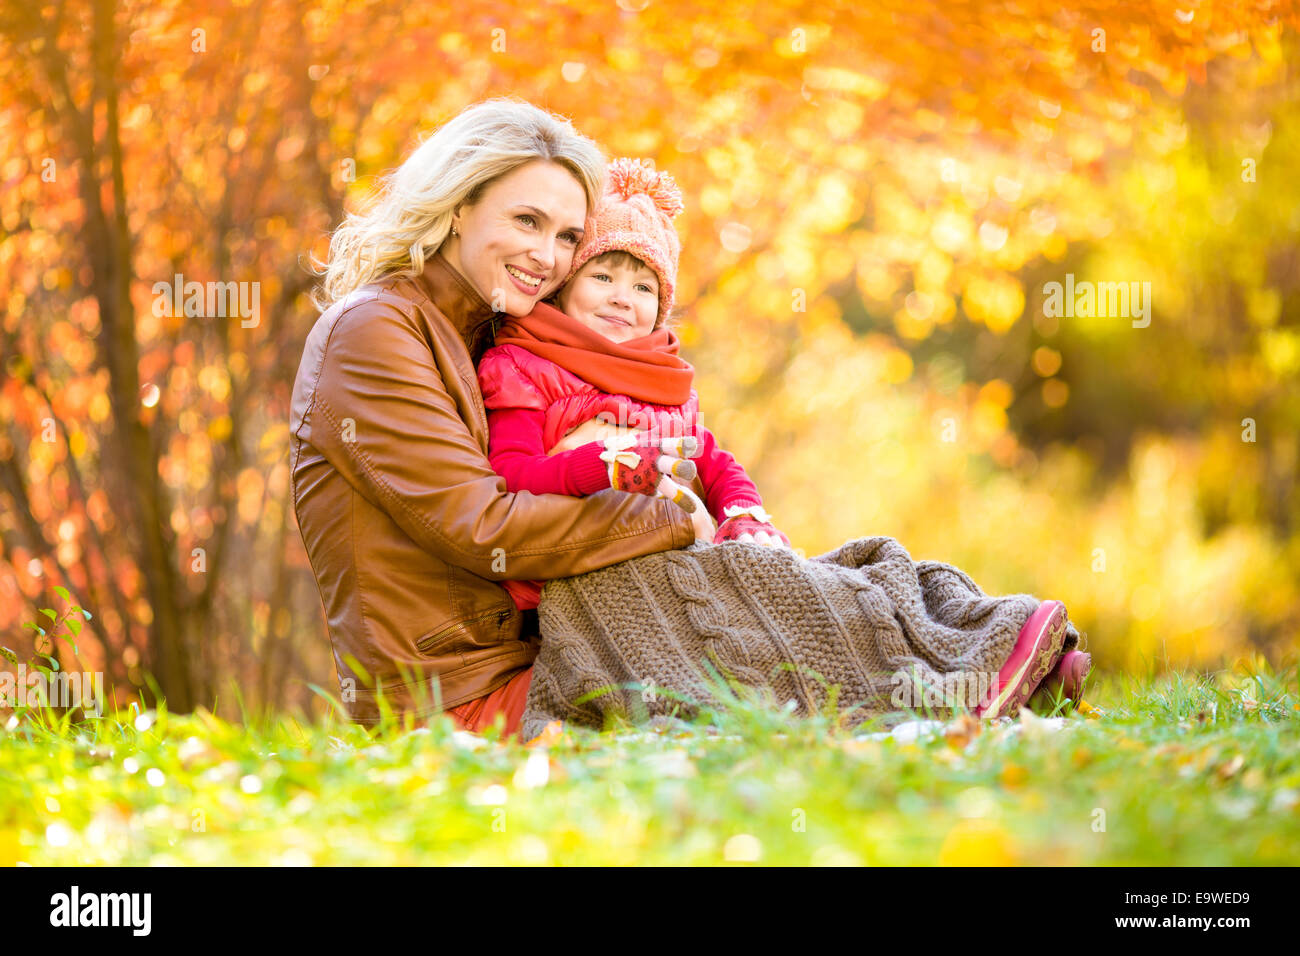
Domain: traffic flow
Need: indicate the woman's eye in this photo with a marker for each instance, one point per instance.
(527, 220)
(569, 238)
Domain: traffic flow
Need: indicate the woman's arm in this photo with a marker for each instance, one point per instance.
(380, 414)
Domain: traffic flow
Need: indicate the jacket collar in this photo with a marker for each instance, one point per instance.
(458, 300)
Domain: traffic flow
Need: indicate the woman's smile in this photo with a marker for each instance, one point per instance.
(528, 282)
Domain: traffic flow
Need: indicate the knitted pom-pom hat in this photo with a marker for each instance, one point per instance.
(636, 215)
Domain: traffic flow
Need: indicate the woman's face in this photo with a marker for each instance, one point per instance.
(517, 242)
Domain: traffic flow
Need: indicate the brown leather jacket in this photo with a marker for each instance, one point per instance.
(407, 527)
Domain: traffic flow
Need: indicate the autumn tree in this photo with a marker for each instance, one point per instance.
(880, 192)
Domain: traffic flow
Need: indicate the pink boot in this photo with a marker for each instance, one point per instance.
(1037, 649)
(1065, 682)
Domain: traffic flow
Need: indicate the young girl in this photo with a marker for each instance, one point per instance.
(592, 397)
(595, 396)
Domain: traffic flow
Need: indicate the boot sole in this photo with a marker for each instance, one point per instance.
(1036, 666)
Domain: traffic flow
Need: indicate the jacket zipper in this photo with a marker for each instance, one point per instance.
(502, 615)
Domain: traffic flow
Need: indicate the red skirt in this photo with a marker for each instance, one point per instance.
(508, 700)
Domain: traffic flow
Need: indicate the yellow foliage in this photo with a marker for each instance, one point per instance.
(977, 843)
(996, 301)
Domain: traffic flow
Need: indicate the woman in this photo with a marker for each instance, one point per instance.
(407, 527)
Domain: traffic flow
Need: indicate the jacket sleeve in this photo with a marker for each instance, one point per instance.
(725, 481)
(380, 414)
(516, 452)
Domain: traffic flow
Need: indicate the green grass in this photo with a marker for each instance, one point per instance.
(1182, 770)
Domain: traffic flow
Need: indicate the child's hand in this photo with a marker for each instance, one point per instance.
(639, 468)
(592, 430)
(750, 523)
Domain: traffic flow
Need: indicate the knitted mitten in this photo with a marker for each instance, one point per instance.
(639, 468)
(749, 522)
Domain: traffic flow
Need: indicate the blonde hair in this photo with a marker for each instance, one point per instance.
(412, 215)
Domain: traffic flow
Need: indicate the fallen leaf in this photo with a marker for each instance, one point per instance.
(550, 735)
(1013, 775)
(962, 731)
(858, 747)
(1089, 711)
(1230, 768)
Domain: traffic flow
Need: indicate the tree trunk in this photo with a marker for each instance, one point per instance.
(113, 275)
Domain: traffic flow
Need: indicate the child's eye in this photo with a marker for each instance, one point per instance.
(644, 287)
(600, 275)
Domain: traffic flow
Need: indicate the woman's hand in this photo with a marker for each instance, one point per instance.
(705, 528)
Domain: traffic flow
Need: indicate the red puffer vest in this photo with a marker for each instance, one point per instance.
(513, 377)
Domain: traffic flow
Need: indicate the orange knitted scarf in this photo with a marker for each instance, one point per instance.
(646, 368)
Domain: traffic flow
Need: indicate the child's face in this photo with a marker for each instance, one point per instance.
(618, 301)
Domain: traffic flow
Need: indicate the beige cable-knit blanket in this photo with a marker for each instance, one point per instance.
(892, 633)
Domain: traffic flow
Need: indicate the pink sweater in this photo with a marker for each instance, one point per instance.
(533, 403)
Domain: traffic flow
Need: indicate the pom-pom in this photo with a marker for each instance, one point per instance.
(628, 177)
